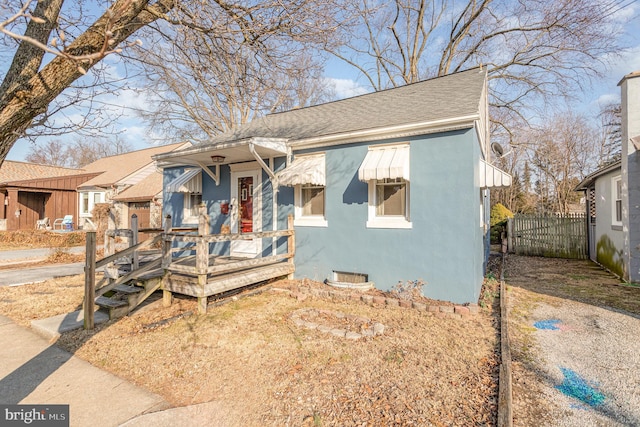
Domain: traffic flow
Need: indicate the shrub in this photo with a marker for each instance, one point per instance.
(410, 290)
(499, 213)
(499, 216)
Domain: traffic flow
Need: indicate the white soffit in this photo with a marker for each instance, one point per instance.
(492, 177)
(385, 162)
(304, 170)
(189, 182)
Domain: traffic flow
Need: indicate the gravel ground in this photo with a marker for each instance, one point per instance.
(576, 354)
(592, 363)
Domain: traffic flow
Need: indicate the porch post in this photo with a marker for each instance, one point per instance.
(167, 297)
(202, 256)
(134, 241)
(90, 280)
(110, 245)
(291, 242)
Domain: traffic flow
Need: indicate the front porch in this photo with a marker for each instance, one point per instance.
(205, 272)
(189, 262)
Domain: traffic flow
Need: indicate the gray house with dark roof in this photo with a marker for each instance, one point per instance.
(384, 187)
(613, 194)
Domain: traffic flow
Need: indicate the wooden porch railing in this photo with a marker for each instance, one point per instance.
(173, 241)
(112, 277)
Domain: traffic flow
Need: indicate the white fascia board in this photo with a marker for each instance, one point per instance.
(400, 131)
(138, 175)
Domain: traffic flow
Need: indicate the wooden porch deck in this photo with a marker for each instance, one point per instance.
(133, 274)
(205, 274)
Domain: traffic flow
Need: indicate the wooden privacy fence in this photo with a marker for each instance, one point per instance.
(558, 236)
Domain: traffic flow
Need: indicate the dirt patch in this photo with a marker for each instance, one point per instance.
(578, 280)
(251, 357)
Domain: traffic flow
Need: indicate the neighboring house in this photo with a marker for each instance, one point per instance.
(117, 175)
(613, 195)
(30, 192)
(387, 187)
(143, 199)
(603, 195)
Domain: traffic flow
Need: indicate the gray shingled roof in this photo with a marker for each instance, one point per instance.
(451, 96)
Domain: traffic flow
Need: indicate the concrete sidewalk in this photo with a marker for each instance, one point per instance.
(36, 372)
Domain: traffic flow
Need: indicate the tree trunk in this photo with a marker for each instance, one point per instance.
(19, 108)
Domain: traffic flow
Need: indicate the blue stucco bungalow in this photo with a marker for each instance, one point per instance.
(384, 187)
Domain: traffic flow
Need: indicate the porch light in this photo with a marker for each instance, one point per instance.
(217, 159)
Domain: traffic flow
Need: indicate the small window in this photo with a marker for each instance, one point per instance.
(310, 205)
(191, 203)
(85, 203)
(616, 196)
(386, 170)
(312, 201)
(389, 203)
(391, 197)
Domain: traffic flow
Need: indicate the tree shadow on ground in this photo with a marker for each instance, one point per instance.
(577, 280)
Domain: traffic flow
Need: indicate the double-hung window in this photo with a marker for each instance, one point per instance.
(386, 170)
(616, 197)
(191, 205)
(189, 183)
(306, 174)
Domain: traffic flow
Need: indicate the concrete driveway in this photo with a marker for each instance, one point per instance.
(33, 255)
(21, 276)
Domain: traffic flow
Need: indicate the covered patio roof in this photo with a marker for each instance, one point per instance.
(216, 154)
(231, 152)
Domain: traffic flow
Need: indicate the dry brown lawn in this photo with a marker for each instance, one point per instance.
(250, 357)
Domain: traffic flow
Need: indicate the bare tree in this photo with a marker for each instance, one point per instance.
(78, 153)
(565, 151)
(53, 152)
(84, 151)
(533, 50)
(205, 83)
(29, 87)
(28, 91)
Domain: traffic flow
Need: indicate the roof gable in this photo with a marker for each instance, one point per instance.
(146, 189)
(115, 168)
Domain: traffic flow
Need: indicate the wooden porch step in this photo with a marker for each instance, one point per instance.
(109, 303)
(127, 289)
(127, 297)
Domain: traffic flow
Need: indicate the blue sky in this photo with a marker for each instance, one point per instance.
(346, 83)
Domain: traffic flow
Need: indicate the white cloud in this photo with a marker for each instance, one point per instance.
(627, 61)
(608, 98)
(346, 88)
(624, 15)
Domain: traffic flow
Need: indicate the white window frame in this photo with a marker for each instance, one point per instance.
(303, 220)
(388, 221)
(187, 210)
(91, 199)
(614, 200)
